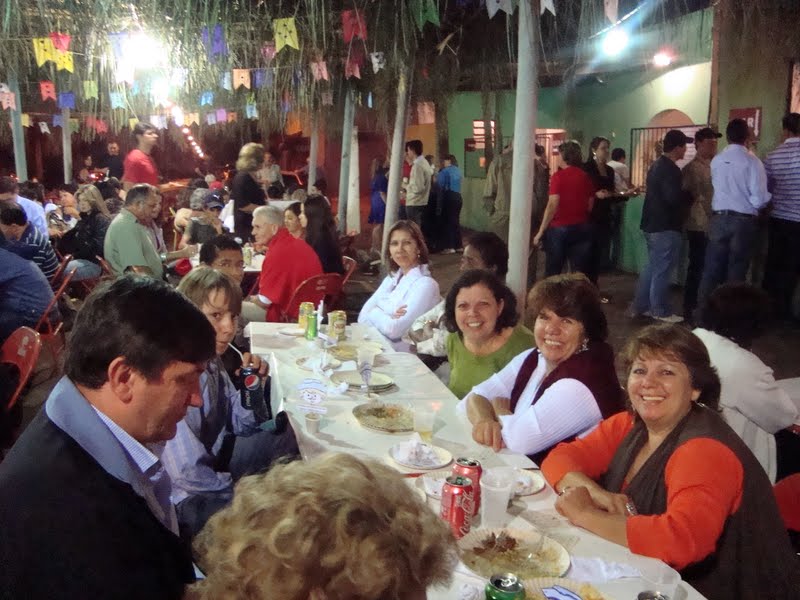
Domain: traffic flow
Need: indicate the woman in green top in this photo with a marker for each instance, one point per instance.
(481, 314)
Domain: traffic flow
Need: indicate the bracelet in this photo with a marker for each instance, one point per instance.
(630, 508)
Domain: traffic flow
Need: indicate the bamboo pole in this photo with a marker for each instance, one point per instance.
(524, 145)
(66, 144)
(17, 133)
(397, 158)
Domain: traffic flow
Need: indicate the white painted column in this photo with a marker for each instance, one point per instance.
(17, 132)
(396, 159)
(313, 151)
(524, 146)
(66, 144)
(344, 170)
(353, 197)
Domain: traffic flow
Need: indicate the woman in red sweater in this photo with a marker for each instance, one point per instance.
(671, 480)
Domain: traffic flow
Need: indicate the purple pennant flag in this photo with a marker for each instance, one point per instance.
(66, 100)
(214, 41)
(222, 115)
(258, 78)
(58, 121)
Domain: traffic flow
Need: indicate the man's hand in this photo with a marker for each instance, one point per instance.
(487, 433)
(254, 360)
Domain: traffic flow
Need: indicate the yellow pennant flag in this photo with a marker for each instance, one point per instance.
(132, 122)
(285, 34)
(90, 90)
(43, 50)
(64, 61)
(26, 119)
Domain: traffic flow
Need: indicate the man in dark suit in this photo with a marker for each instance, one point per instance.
(85, 506)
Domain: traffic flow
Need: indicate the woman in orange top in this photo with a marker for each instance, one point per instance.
(694, 495)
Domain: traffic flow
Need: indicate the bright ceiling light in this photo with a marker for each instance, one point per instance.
(185, 130)
(190, 138)
(662, 59)
(615, 41)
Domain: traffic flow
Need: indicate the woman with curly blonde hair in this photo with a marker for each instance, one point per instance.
(246, 193)
(335, 528)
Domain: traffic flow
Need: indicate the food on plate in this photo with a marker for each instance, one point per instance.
(505, 552)
(385, 417)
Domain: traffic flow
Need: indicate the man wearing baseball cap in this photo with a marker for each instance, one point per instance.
(740, 192)
(664, 212)
(697, 182)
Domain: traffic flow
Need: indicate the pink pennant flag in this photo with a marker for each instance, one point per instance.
(222, 115)
(48, 90)
(60, 41)
(319, 70)
(8, 100)
(612, 10)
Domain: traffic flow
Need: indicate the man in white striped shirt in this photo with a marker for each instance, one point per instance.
(23, 239)
(783, 256)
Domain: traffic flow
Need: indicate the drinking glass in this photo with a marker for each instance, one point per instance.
(365, 357)
(424, 418)
(496, 486)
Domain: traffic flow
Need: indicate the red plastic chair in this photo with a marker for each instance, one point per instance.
(313, 289)
(50, 332)
(21, 349)
(60, 271)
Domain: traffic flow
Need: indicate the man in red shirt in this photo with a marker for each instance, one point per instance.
(288, 263)
(139, 166)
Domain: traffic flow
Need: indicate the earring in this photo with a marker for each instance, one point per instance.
(585, 346)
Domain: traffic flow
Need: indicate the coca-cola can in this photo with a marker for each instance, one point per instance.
(471, 468)
(457, 504)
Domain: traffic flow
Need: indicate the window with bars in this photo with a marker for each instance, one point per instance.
(479, 133)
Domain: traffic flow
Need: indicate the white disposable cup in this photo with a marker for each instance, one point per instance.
(312, 422)
(496, 487)
(660, 577)
(424, 418)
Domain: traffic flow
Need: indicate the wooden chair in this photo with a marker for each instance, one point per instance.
(54, 280)
(314, 289)
(50, 332)
(350, 265)
(21, 349)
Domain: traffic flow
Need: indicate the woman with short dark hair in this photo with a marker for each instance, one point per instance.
(561, 389)
(481, 315)
(565, 232)
(669, 479)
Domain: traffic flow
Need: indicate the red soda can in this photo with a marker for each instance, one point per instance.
(471, 468)
(457, 504)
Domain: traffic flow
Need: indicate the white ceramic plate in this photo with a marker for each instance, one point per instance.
(529, 482)
(443, 458)
(524, 553)
(349, 350)
(307, 363)
(378, 381)
(585, 591)
(292, 331)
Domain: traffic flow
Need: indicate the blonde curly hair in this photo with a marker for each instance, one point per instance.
(251, 157)
(336, 527)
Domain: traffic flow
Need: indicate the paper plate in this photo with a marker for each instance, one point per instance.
(292, 331)
(431, 483)
(489, 551)
(549, 587)
(529, 482)
(377, 382)
(442, 458)
(349, 350)
(385, 417)
(307, 363)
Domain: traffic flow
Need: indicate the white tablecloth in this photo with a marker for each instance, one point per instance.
(339, 431)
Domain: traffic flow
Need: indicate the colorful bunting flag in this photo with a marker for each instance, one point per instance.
(8, 100)
(222, 115)
(426, 113)
(611, 10)
(268, 51)
(66, 100)
(207, 99)
(241, 77)
(264, 78)
(26, 119)
(58, 121)
(215, 41)
(225, 81)
(90, 90)
(319, 70)
(425, 11)
(492, 6)
(352, 69)
(193, 118)
(378, 61)
(43, 127)
(211, 118)
(285, 34)
(47, 89)
(60, 41)
(251, 111)
(353, 25)
(43, 50)
(64, 62)
(132, 122)
(548, 5)
(117, 99)
(4, 89)
(117, 41)
(232, 117)
(74, 125)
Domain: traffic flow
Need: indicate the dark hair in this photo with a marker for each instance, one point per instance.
(68, 187)
(414, 231)
(415, 146)
(737, 311)
(571, 153)
(508, 316)
(451, 158)
(791, 123)
(144, 321)
(571, 295)
(295, 207)
(8, 185)
(275, 192)
(198, 182)
(32, 191)
(679, 344)
(138, 194)
(210, 250)
(737, 131)
(321, 185)
(321, 228)
(493, 251)
(538, 150)
(617, 154)
(596, 141)
(140, 129)
(12, 214)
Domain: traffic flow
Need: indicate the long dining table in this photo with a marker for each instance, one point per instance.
(415, 385)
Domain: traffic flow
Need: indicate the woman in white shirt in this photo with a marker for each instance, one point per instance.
(561, 389)
(408, 291)
(752, 402)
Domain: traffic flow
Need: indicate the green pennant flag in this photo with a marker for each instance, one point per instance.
(425, 11)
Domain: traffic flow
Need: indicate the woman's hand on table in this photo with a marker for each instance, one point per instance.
(575, 503)
(614, 504)
(502, 406)
(488, 433)
(254, 360)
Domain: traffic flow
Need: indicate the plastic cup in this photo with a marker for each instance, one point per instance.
(496, 487)
(424, 418)
(661, 578)
(312, 422)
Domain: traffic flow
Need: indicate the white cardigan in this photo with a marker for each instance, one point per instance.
(417, 290)
(752, 403)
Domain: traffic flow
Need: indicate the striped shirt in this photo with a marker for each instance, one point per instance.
(32, 245)
(783, 174)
